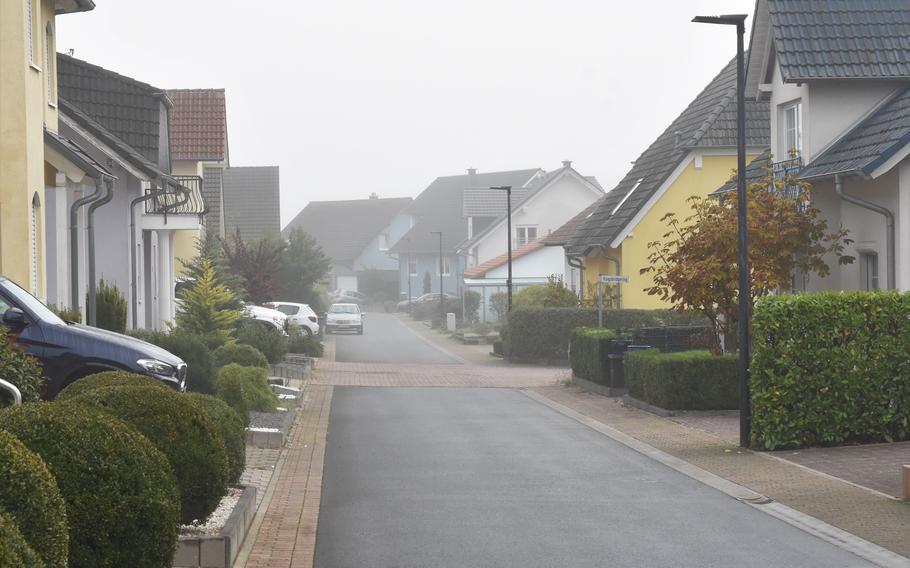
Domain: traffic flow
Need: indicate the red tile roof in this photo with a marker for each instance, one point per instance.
(198, 124)
(481, 269)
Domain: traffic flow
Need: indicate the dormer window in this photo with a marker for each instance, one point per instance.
(383, 242)
(792, 129)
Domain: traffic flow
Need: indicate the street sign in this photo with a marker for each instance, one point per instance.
(607, 279)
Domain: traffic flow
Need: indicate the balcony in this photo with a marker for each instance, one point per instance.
(186, 199)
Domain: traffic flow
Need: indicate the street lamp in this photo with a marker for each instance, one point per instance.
(745, 294)
(508, 190)
(442, 309)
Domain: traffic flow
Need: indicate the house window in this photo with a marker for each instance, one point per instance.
(412, 266)
(30, 31)
(446, 267)
(36, 215)
(524, 235)
(792, 131)
(49, 62)
(868, 265)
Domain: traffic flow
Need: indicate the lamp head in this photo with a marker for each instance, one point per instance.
(726, 19)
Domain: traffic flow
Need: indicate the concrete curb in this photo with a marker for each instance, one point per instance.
(598, 388)
(220, 550)
(847, 541)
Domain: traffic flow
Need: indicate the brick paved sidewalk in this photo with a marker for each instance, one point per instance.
(873, 517)
(412, 375)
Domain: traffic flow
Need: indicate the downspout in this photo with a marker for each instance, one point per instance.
(889, 219)
(91, 317)
(134, 274)
(74, 240)
(576, 262)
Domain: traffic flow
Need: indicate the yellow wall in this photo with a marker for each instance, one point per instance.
(633, 251)
(185, 241)
(24, 110)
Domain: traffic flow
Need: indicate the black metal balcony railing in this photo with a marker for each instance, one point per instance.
(183, 200)
(780, 174)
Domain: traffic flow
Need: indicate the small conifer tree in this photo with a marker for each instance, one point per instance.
(206, 306)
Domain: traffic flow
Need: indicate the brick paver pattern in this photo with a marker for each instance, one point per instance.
(873, 517)
(412, 375)
(260, 465)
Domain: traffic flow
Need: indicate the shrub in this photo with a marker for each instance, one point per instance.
(552, 295)
(543, 333)
(471, 305)
(240, 353)
(182, 431)
(21, 369)
(588, 353)
(192, 348)
(66, 314)
(305, 345)
(685, 380)
(831, 368)
(120, 493)
(110, 307)
(107, 379)
(270, 342)
(232, 428)
(14, 550)
(245, 389)
(29, 492)
(208, 307)
(429, 311)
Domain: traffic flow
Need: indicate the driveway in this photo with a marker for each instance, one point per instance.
(488, 477)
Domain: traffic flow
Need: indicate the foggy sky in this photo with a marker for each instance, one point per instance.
(353, 97)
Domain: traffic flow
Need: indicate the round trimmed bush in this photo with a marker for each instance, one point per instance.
(269, 341)
(107, 379)
(182, 431)
(245, 389)
(14, 550)
(122, 500)
(193, 348)
(29, 492)
(21, 369)
(232, 428)
(239, 353)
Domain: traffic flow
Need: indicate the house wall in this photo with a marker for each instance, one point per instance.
(548, 210)
(185, 241)
(372, 257)
(543, 262)
(429, 263)
(903, 227)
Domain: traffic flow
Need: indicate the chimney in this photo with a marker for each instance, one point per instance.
(374, 196)
(567, 163)
(472, 171)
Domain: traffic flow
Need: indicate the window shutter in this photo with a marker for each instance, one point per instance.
(48, 62)
(31, 29)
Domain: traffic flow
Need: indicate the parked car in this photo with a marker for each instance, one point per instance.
(434, 297)
(344, 317)
(69, 351)
(347, 297)
(269, 318)
(301, 315)
(406, 304)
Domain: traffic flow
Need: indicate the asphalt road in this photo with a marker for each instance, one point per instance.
(387, 340)
(488, 477)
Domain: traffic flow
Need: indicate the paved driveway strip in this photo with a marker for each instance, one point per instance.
(489, 477)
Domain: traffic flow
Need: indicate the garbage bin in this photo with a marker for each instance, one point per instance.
(616, 351)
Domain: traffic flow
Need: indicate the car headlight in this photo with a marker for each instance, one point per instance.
(156, 367)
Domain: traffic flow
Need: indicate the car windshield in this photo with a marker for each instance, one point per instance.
(30, 303)
(343, 309)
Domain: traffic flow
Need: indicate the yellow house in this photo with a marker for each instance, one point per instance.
(28, 106)
(694, 156)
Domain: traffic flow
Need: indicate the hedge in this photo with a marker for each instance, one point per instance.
(588, 353)
(831, 368)
(270, 342)
(246, 389)
(21, 369)
(193, 349)
(543, 334)
(122, 501)
(232, 428)
(107, 379)
(685, 380)
(305, 345)
(29, 492)
(182, 431)
(239, 353)
(14, 550)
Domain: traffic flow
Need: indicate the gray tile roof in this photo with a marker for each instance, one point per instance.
(869, 144)
(76, 154)
(344, 228)
(251, 202)
(128, 108)
(755, 171)
(708, 121)
(828, 39)
(439, 208)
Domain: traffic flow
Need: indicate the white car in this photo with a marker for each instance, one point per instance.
(300, 315)
(271, 319)
(344, 317)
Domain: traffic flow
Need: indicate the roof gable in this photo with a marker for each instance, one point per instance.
(198, 124)
(561, 236)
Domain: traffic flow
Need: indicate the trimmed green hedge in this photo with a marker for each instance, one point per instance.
(831, 368)
(588, 355)
(122, 501)
(29, 492)
(685, 380)
(270, 342)
(232, 428)
(14, 550)
(183, 432)
(107, 379)
(305, 345)
(21, 369)
(543, 334)
(246, 389)
(239, 353)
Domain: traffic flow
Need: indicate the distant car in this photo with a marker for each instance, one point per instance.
(347, 297)
(434, 297)
(406, 304)
(69, 351)
(300, 315)
(344, 317)
(267, 317)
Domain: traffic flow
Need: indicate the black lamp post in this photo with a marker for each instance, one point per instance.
(408, 272)
(745, 293)
(508, 190)
(442, 309)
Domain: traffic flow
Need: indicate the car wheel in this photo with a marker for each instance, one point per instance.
(306, 331)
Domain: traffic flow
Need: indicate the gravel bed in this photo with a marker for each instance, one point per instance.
(280, 390)
(219, 516)
(279, 420)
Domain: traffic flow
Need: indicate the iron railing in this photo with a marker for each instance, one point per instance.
(186, 199)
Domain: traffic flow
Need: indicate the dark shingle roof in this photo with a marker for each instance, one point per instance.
(755, 171)
(344, 228)
(708, 121)
(76, 154)
(829, 39)
(251, 201)
(869, 144)
(439, 208)
(128, 108)
(198, 124)
(562, 235)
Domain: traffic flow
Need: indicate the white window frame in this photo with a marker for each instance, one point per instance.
(383, 242)
(796, 108)
(446, 266)
(521, 235)
(412, 267)
(869, 269)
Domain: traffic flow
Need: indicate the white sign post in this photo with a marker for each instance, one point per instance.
(606, 279)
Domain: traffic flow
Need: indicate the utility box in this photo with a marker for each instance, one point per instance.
(450, 322)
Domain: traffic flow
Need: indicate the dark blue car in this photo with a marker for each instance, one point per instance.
(69, 351)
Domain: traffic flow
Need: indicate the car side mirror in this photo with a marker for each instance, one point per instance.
(14, 318)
